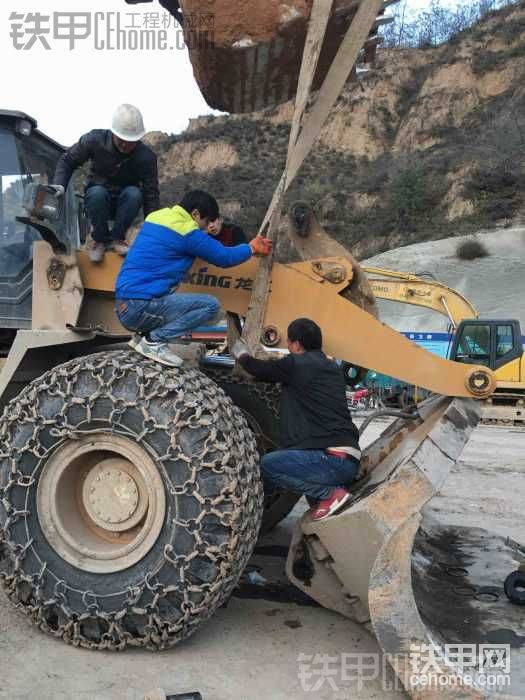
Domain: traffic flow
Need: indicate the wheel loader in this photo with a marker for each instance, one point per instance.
(130, 493)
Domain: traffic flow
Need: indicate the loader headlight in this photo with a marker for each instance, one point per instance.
(41, 201)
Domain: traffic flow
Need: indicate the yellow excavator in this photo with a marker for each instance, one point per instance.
(130, 494)
(495, 343)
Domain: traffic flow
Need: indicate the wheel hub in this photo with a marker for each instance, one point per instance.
(101, 502)
(111, 496)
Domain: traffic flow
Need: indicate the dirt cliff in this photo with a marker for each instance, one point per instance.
(430, 144)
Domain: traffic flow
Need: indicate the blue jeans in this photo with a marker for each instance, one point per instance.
(102, 205)
(169, 317)
(311, 472)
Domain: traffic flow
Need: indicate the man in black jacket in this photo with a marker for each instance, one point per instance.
(320, 444)
(123, 178)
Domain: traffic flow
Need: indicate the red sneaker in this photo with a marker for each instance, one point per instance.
(330, 505)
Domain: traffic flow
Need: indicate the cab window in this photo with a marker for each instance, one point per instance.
(504, 340)
(474, 345)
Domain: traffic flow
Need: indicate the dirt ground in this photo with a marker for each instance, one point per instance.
(251, 649)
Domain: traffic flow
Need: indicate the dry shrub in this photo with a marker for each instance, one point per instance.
(471, 249)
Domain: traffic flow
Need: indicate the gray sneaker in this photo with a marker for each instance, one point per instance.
(159, 352)
(121, 247)
(95, 251)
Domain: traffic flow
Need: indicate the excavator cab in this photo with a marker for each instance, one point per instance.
(492, 343)
(27, 156)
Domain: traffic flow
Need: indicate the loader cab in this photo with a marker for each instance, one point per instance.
(26, 156)
(493, 343)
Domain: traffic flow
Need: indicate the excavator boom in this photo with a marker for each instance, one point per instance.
(410, 289)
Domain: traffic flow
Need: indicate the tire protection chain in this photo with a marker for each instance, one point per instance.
(207, 404)
(269, 394)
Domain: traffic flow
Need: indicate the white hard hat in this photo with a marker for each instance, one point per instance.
(128, 124)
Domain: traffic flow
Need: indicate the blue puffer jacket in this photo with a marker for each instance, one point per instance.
(164, 251)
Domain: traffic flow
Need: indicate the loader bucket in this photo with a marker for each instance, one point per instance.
(432, 594)
(258, 47)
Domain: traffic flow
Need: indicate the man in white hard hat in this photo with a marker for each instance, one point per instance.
(123, 178)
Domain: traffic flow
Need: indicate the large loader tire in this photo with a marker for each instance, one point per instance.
(130, 501)
(260, 404)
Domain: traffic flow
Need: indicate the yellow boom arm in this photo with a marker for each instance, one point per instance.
(411, 289)
(349, 332)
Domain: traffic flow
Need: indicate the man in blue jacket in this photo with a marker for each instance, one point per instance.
(161, 255)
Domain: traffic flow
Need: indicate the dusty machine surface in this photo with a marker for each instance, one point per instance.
(130, 495)
(27, 156)
(430, 593)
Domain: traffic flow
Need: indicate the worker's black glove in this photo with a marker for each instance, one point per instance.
(239, 349)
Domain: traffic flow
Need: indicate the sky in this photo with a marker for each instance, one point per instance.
(72, 90)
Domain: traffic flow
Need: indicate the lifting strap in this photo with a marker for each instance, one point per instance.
(304, 132)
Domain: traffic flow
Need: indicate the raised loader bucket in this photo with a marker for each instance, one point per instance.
(433, 594)
(257, 48)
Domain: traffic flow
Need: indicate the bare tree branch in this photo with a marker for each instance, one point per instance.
(437, 24)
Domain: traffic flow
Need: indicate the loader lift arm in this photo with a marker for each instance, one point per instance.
(309, 289)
